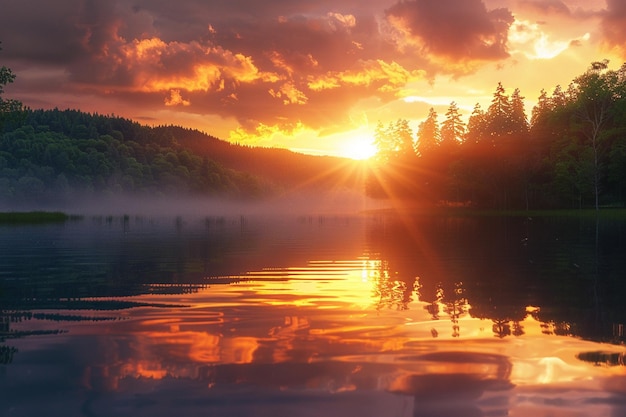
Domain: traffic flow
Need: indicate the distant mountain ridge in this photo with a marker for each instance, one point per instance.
(55, 155)
(281, 166)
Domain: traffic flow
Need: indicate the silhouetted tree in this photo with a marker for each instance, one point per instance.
(428, 135)
(518, 120)
(9, 108)
(476, 126)
(597, 91)
(498, 116)
(452, 129)
(394, 142)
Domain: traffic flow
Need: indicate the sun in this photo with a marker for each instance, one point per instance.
(359, 147)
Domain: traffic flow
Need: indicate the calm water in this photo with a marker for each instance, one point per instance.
(309, 316)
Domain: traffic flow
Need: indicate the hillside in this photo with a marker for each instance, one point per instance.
(55, 155)
(280, 166)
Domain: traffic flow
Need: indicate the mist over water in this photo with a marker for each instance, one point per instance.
(307, 203)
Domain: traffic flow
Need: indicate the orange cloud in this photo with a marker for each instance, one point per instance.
(289, 94)
(265, 135)
(387, 76)
(175, 99)
(324, 82)
(346, 21)
(293, 63)
(162, 66)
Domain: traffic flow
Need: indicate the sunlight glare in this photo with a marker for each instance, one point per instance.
(359, 147)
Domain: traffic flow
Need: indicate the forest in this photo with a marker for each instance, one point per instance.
(570, 153)
(53, 155)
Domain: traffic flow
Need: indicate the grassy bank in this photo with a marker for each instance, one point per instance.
(33, 217)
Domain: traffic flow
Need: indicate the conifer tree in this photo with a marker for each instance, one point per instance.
(428, 136)
(498, 115)
(518, 120)
(476, 126)
(453, 128)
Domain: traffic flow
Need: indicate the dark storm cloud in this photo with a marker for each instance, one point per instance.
(454, 29)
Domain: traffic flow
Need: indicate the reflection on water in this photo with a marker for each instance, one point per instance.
(340, 316)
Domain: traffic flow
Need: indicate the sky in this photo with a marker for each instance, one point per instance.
(314, 76)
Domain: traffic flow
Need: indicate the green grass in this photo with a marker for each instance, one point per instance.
(34, 217)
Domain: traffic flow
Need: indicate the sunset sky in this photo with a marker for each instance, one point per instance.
(315, 76)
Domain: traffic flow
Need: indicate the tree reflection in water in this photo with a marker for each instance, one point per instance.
(603, 358)
(6, 354)
(391, 290)
(563, 272)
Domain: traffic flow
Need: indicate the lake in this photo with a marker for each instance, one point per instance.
(335, 315)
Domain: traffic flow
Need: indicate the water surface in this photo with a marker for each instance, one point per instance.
(313, 315)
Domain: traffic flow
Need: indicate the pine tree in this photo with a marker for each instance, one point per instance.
(428, 135)
(541, 124)
(403, 135)
(498, 115)
(540, 111)
(453, 128)
(393, 142)
(476, 126)
(518, 121)
(559, 98)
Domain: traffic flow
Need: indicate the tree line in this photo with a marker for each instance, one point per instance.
(570, 152)
(54, 155)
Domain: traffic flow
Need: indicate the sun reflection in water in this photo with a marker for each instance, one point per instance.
(323, 283)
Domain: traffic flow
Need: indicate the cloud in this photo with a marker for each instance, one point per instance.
(531, 40)
(346, 21)
(546, 7)
(50, 34)
(175, 99)
(291, 134)
(150, 65)
(384, 76)
(452, 30)
(614, 26)
(289, 94)
(575, 22)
